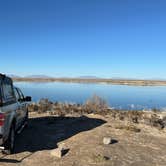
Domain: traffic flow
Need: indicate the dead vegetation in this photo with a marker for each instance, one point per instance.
(128, 128)
(98, 159)
(96, 105)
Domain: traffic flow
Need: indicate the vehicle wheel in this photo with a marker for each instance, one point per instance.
(10, 143)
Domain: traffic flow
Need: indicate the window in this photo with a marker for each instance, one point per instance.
(7, 89)
(19, 95)
(16, 94)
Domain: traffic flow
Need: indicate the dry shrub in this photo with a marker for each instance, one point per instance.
(96, 104)
(155, 121)
(33, 107)
(135, 116)
(99, 158)
(129, 128)
(156, 110)
(44, 105)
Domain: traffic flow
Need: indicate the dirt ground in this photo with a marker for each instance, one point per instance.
(83, 142)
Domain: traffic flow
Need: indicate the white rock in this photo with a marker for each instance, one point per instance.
(57, 153)
(61, 146)
(107, 140)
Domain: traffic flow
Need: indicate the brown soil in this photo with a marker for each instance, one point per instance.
(83, 138)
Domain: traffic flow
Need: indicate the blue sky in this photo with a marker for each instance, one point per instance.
(105, 38)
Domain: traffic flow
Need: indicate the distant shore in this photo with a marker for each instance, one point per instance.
(92, 80)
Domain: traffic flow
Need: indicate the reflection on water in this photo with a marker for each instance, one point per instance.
(118, 96)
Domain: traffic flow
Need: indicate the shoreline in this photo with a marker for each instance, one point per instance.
(104, 81)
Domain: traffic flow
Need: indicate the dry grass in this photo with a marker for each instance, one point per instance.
(97, 105)
(128, 128)
(99, 158)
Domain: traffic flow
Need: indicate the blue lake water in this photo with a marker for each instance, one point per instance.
(117, 96)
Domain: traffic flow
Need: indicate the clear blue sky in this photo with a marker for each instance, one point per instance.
(105, 38)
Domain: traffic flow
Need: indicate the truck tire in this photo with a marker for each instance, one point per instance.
(10, 143)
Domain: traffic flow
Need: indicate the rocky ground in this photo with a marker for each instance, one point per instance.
(133, 143)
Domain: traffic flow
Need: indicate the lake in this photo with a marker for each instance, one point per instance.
(117, 96)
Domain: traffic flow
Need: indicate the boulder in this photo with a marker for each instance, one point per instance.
(57, 153)
(107, 140)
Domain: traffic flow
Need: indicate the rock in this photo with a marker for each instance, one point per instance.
(57, 153)
(107, 140)
(61, 145)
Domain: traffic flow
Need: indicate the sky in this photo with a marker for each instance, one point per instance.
(70, 38)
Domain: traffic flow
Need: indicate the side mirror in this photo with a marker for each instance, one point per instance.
(28, 98)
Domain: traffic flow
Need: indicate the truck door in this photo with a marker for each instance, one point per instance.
(22, 105)
(8, 101)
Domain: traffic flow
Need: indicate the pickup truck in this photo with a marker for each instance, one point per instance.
(13, 113)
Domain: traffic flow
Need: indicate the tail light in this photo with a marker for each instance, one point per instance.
(2, 119)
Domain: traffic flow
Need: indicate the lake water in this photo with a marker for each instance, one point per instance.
(117, 96)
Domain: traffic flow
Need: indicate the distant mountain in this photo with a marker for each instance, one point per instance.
(158, 79)
(88, 77)
(123, 78)
(38, 76)
(13, 76)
